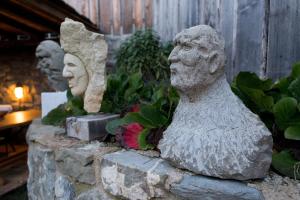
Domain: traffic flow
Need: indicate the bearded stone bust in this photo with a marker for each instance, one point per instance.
(212, 133)
(50, 63)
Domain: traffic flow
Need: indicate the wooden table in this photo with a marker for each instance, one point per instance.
(19, 118)
(15, 119)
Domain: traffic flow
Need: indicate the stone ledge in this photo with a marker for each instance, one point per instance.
(127, 174)
(66, 168)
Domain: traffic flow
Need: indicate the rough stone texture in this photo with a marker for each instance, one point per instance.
(93, 194)
(133, 176)
(91, 49)
(78, 162)
(130, 175)
(56, 171)
(41, 166)
(89, 127)
(64, 189)
(206, 188)
(50, 62)
(60, 167)
(212, 132)
(276, 187)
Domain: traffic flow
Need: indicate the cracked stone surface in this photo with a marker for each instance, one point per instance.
(64, 189)
(78, 162)
(130, 175)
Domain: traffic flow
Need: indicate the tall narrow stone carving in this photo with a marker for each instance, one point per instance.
(84, 61)
(212, 132)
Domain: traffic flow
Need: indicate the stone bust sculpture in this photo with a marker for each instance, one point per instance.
(84, 63)
(212, 132)
(50, 62)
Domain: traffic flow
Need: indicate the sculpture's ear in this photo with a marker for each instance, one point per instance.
(213, 62)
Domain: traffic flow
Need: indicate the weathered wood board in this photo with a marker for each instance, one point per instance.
(262, 36)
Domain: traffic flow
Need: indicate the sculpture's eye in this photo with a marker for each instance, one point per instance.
(186, 47)
(71, 65)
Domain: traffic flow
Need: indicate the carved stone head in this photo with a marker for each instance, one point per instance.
(198, 58)
(84, 61)
(76, 74)
(50, 62)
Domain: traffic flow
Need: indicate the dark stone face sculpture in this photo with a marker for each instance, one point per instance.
(50, 63)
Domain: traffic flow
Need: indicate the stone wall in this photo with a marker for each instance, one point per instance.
(19, 65)
(63, 168)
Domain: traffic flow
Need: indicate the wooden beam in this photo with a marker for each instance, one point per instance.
(10, 28)
(53, 12)
(24, 20)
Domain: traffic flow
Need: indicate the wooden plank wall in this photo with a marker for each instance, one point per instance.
(283, 37)
(262, 36)
(118, 17)
(240, 22)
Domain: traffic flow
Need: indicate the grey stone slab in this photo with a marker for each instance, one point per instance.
(78, 162)
(64, 189)
(37, 130)
(41, 180)
(127, 174)
(206, 188)
(94, 194)
(89, 127)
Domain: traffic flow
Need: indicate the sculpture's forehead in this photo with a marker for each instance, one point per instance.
(40, 51)
(190, 36)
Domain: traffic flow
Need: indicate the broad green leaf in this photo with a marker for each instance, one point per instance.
(262, 101)
(294, 88)
(284, 110)
(296, 70)
(251, 80)
(135, 80)
(137, 117)
(142, 140)
(286, 164)
(152, 114)
(282, 84)
(158, 94)
(292, 133)
(112, 126)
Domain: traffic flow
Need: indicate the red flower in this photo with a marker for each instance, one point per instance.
(129, 135)
(135, 108)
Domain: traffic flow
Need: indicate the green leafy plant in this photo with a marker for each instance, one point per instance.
(153, 117)
(73, 107)
(140, 80)
(143, 52)
(278, 105)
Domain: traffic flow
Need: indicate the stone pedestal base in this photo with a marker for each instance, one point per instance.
(64, 168)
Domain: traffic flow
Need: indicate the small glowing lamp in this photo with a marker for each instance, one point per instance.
(19, 93)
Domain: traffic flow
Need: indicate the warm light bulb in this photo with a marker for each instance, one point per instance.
(19, 92)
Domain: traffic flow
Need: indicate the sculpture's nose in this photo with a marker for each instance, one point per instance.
(173, 57)
(66, 73)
